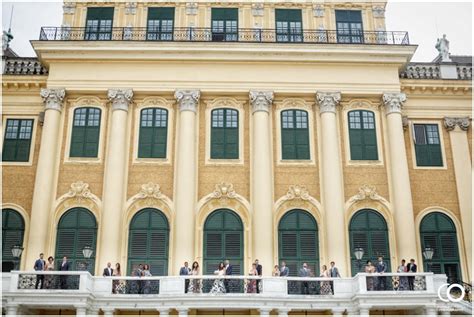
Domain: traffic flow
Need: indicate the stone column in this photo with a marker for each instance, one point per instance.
(115, 178)
(430, 311)
(11, 309)
(264, 311)
(364, 311)
(186, 176)
(457, 128)
(45, 175)
(399, 178)
(283, 312)
(262, 180)
(332, 181)
(182, 311)
(339, 311)
(108, 311)
(81, 311)
(164, 312)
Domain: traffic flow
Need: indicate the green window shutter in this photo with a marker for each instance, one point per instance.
(427, 145)
(100, 13)
(160, 24)
(99, 22)
(224, 134)
(153, 136)
(294, 135)
(293, 15)
(362, 135)
(288, 25)
(163, 13)
(225, 14)
(85, 132)
(13, 230)
(225, 24)
(17, 140)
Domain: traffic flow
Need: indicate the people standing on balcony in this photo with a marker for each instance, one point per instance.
(48, 279)
(64, 267)
(228, 271)
(333, 271)
(252, 283)
(326, 288)
(137, 286)
(304, 272)
(403, 286)
(116, 284)
(411, 268)
(284, 270)
(146, 283)
(276, 270)
(39, 266)
(183, 271)
(380, 268)
(108, 271)
(195, 284)
(218, 286)
(259, 273)
(370, 268)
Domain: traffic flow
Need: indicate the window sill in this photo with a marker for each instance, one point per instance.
(83, 160)
(416, 167)
(308, 162)
(150, 161)
(15, 163)
(368, 163)
(219, 162)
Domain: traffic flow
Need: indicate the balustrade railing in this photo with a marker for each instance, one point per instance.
(395, 282)
(24, 66)
(51, 280)
(310, 286)
(433, 71)
(464, 72)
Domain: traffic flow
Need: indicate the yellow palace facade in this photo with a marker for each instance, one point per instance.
(158, 132)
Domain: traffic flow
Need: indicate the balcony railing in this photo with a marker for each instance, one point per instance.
(191, 34)
(433, 71)
(24, 66)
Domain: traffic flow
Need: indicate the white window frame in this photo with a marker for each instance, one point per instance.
(411, 123)
(32, 142)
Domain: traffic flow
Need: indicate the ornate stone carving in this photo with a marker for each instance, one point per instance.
(328, 101)
(131, 8)
(120, 98)
(150, 190)
(297, 192)
(187, 99)
(224, 191)
(69, 8)
(378, 12)
(393, 102)
(53, 98)
(318, 10)
(442, 45)
(261, 100)
(405, 122)
(191, 8)
(79, 190)
(451, 123)
(257, 9)
(366, 192)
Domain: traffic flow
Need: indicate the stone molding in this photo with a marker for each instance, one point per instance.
(224, 191)
(120, 98)
(328, 101)
(366, 192)
(297, 192)
(188, 100)
(393, 102)
(261, 100)
(318, 11)
(257, 9)
(191, 8)
(131, 8)
(378, 12)
(53, 98)
(450, 123)
(69, 8)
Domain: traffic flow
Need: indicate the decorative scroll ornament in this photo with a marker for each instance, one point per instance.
(297, 192)
(150, 191)
(187, 99)
(257, 9)
(328, 101)
(131, 8)
(318, 11)
(261, 100)
(80, 191)
(191, 8)
(393, 102)
(224, 191)
(378, 12)
(69, 8)
(120, 98)
(53, 98)
(366, 192)
(451, 123)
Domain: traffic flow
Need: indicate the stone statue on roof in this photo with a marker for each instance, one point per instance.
(442, 45)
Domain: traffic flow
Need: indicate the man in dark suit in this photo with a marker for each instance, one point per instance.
(259, 273)
(64, 267)
(333, 271)
(380, 268)
(284, 270)
(228, 271)
(304, 272)
(39, 266)
(108, 271)
(185, 270)
(411, 268)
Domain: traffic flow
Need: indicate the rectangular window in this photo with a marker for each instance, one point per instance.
(85, 132)
(288, 25)
(99, 23)
(153, 133)
(160, 24)
(225, 24)
(17, 141)
(224, 134)
(427, 145)
(349, 26)
(362, 135)
(294, 135)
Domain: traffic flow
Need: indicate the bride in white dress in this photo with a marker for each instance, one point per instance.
(218, 286)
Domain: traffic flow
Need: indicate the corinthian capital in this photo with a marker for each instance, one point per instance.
(393, 102)
(53, 98)
(187, 99)
(328, 101)
(261, 100)
(120, 98)
(451, 123)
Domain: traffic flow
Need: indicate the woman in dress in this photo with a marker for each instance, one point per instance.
(195, 284)
(370, 268)
(147, 284)
(218, 286)
(276, 271)
(252, 283)
(116, 284)
(325, 285)
(49, 279)
(403, 286)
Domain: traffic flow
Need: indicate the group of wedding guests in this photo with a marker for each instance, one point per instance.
(379, 283)
(48, 281)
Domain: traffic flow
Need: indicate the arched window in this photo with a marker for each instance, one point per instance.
(362, 135)
(77, 228)
(298, 241)
(148, 241)
(223, 239)
(294, 135)
(13, 231)
(224, 134)
(437, 231)
(368, 230)
(153, 133)
(85, 132)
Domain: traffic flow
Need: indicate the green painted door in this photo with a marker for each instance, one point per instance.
(298, 241)
(148, 241)
(288, 24)
(438, 231)
(224, 24)
(13, 231)
(368, 230)
(77, 228)
(223, 240)
(99, 22)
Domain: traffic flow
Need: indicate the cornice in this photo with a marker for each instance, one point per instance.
(437, 87)
(22, 82)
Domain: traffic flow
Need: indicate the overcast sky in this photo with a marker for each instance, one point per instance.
(424, 21)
